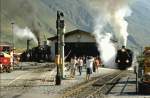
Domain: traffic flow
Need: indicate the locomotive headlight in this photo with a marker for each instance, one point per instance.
(123, 50)
(118, 61)
(127, 61)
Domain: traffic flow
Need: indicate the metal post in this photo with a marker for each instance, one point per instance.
(0, 22)
(136, 79)
(58, 76)
(57, 59)
(13, 40)
(141, 50)
(62, 27)
(12, 24)
(62, 54)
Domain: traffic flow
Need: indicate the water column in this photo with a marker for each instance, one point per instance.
(62, 30)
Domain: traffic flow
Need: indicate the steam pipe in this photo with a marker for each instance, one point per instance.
(28, 44)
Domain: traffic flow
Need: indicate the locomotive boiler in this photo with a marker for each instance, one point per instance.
(124, 58)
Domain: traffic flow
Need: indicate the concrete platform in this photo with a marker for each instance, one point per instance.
(128, 96)
(44, 85)
(55, 91)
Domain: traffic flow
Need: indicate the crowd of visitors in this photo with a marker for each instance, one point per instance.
(90, 63)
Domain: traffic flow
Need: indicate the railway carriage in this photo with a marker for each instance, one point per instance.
(144, 70)
(6, 57)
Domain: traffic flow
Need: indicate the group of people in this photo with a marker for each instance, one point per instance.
(90, 63)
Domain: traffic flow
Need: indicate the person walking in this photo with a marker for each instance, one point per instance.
(73, 66)
(89, 63)
(80, 62)
(94, 65)
(84, 61)
(97, 63)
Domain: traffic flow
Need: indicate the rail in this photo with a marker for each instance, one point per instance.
(93, 94)
(80, 87)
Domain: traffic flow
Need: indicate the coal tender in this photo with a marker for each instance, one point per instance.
(124, 58)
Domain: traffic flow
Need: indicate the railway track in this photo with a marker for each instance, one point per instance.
(105, 87)
(95, 88)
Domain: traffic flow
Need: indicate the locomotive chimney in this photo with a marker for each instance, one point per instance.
(39, 43)
(28, 44)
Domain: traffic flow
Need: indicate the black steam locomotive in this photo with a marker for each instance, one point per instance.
(37, 54)
(124, 58)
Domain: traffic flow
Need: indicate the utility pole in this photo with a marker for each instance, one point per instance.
(13, 42)
(141, 50)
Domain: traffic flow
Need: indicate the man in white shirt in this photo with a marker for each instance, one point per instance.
(89, 64)
(80, 62)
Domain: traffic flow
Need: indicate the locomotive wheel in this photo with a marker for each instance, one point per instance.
(1, 70)
(11, 68)
(8, 69)
(121, 67)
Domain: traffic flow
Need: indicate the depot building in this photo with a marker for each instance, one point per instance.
(77, 43)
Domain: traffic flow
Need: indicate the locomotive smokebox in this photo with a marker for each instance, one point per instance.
(124, 58)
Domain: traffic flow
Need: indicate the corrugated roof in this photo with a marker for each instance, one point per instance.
(71, 33)
(5, 44)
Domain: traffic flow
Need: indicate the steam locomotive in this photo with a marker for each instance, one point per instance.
(124, 58)
(37, 54)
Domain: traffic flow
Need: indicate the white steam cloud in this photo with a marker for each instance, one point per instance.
(112, 12)
(105, 46)
(24, 33)
(120, 25)
(108, 50)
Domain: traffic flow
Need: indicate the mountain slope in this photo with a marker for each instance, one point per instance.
(41, 15)
(139, 22)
